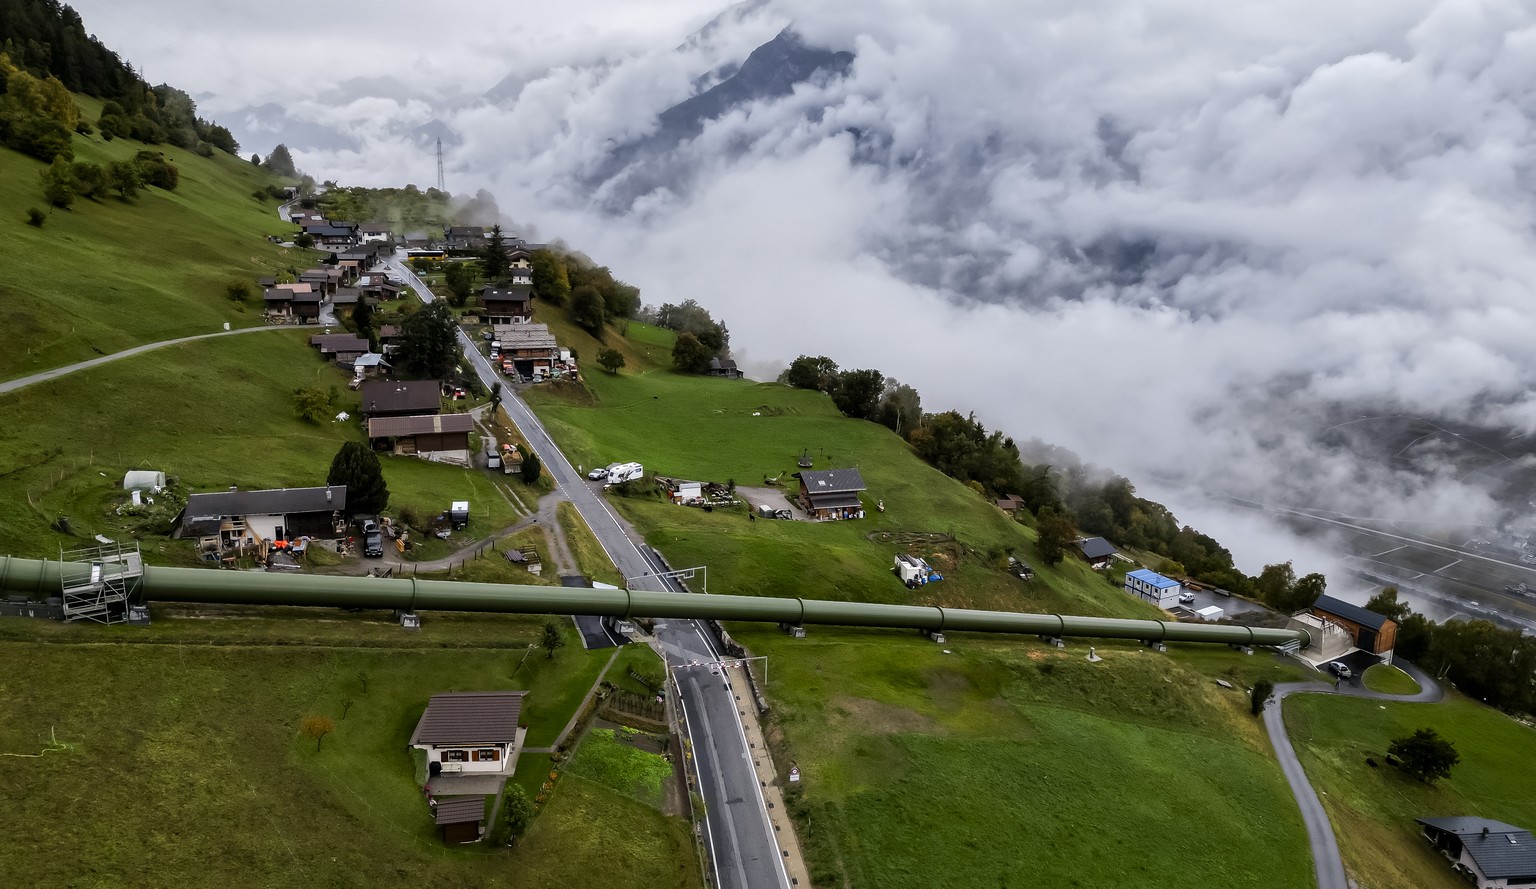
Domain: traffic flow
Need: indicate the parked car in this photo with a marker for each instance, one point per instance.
(1341, 670)
(373, 541)
(600, 472)
(1186, 598)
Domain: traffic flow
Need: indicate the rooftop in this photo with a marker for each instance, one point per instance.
(1350, 612)
(832, 481)
(1504, 852)
(401, 396)
(470, 717)
(278, 501)
(1152, 578)
(459, 810)
(426, 424)
(1096, 547)
(515, 293)
(525, 336)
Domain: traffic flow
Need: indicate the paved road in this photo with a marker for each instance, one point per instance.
(744, 850)
(1327, 864)
(19, 382)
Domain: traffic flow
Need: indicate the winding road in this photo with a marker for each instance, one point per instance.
(1326, 860)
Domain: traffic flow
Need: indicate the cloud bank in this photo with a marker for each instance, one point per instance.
(1181, 239)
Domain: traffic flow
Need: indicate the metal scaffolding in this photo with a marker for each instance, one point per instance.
(98, 581)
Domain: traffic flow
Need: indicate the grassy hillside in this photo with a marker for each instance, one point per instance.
(106, 275)
(1003, 763)
(1373, 809)
(213, 413)
(176, 751)
(719, 430)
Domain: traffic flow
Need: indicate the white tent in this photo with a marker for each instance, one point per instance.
(143, 479)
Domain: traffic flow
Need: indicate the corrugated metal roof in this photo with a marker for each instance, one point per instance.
(459, 810)
(470, 717)
(1505, 852)
(390, 427)
(832, 481)
(1350, 611)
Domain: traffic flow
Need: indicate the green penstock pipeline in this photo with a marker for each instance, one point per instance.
(38, 579)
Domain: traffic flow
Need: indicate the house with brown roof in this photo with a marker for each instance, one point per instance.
(343, 348)
(471, 731)
(460, 819)
(306, 308)
(531, 348)
(400, 398)
(441, 438)
(506, 305)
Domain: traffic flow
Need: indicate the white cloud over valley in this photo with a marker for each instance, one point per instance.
(1179, 238)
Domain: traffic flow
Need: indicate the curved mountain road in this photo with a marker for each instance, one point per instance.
(1326, 860)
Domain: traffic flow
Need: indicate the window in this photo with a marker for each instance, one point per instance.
(455, 756)
(487, 754)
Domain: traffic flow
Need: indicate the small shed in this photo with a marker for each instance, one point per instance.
(1210, 612)
(143, 480)
(460, 819)
(458, 513)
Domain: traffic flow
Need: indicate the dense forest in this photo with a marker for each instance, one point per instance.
(46, 55)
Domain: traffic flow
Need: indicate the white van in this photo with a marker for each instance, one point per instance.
(625, 472)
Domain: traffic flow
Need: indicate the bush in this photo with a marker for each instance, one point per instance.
(36, 217)
(156, 170)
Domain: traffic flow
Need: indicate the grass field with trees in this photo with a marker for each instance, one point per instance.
(109, 274)
(1373, 809)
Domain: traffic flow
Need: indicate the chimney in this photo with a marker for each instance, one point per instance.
(1485, 830)
(327, 493)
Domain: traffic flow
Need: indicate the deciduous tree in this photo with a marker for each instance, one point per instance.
(551, 282)
(1425, 755)
(59, 183)
(1057, 535)
(610, 360)
(312, 403)
(518, 810)
(689, 355)
(806, 372)
(857, 393)
(587, 309)
(317, 727)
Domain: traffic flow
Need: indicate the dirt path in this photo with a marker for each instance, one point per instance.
(55, 373)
